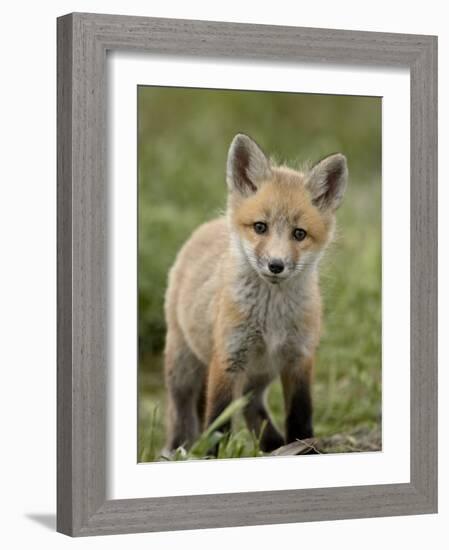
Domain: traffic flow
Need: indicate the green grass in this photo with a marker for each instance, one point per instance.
(183, 141)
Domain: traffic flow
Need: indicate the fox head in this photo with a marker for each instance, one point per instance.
(281, 219)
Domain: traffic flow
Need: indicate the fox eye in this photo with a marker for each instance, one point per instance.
(260, 227)
(299, 234)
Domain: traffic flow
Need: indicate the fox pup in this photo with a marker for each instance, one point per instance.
(243, 301)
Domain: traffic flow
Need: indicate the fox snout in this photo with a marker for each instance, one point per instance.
(275, 269)
(276, 266)
(275, 254)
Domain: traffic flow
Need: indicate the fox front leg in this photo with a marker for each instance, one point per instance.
(224, 375)
(296, 384)
(258, 419)
(219, 393)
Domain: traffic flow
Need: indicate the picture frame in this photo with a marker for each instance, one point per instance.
(83, 41)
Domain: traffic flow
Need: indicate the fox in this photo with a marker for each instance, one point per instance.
(243, 303)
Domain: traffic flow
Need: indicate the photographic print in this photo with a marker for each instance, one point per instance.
(259, 274)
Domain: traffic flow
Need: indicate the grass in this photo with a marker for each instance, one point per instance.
(183, 141)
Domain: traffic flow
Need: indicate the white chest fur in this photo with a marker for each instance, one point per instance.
(274, 314)
(275, 331)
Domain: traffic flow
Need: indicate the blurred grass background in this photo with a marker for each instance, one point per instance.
(183, 138)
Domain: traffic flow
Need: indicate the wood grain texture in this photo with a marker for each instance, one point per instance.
(64, 277)
(423, 273)
(83, 40)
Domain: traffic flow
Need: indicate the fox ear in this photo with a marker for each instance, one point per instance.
(327, 182)
(247, 165)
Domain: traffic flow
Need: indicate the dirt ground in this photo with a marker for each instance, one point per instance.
(362, 440)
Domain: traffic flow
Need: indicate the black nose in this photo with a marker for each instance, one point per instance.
(276, 266)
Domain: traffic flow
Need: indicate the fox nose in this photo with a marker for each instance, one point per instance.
(276, 266)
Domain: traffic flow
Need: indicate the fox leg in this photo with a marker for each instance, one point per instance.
(296, 382)
(257, 418)
(219, 392)
(185, 378)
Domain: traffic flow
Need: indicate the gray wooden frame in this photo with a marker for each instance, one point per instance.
(83, 40)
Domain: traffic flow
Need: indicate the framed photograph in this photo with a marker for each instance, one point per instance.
(247, 274)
